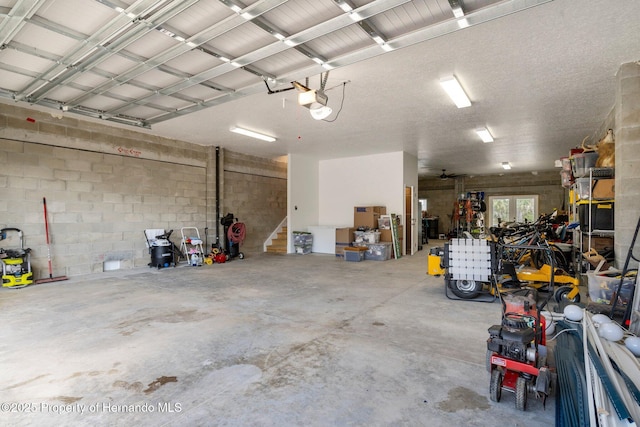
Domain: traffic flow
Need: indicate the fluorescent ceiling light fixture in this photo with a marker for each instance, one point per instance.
(235, 8)
(506, 165)
(248, 16)
(455, 91)
(355, 16)
(224, 59)
(236, 64)
(252, 134)
(484, 135)
(290, 42)
(279, 36)
(319, 112)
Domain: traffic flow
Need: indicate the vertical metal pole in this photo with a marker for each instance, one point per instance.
(625, 270)
(218, 197)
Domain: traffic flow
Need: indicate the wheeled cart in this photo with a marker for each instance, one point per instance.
(234, 233)
(191, 246)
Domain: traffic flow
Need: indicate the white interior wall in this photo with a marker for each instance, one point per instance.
(324, 192)
(374, 180)
(302, 194)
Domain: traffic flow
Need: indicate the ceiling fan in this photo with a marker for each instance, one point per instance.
(444, 175)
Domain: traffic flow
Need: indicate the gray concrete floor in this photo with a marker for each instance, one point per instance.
(271, 340)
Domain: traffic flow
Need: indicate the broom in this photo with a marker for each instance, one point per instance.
(46, 227)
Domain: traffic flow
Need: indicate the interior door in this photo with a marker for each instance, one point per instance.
(410, 221)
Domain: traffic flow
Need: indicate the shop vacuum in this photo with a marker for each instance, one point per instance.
(163, 251)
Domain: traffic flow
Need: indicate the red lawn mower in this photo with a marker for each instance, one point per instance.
(516, 350)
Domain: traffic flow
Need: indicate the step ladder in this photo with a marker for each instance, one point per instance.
(191, 246)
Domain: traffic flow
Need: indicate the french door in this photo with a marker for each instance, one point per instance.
(512, 208)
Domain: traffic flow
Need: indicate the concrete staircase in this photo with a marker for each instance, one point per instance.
(279, 244)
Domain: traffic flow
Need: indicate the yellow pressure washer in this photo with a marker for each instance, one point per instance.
(16, 263)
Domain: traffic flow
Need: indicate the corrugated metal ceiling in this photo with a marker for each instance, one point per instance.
(146, 61)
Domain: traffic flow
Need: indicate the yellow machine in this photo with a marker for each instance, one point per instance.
(16, 263)
(566, 286)
(434, 262)
(541, 277)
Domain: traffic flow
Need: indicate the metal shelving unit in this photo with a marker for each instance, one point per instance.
(589, 233)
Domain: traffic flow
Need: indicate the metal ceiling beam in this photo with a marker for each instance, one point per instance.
(433, 31)
(141, 26)
(57, 28)
(102, 36)
(457, 8)
(19, 47)
(16, 18)
(192, 42)
(339, 22)
(364, 12)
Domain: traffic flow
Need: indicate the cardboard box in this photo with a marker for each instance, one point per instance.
(600, 244)
(367, 216)
(604, 188)
(596, 260)
(344, 235)
(385, 235)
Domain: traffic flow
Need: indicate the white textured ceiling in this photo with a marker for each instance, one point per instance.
(540, 79)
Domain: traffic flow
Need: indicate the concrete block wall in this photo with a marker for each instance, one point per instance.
(98, 204)
(442, 194)
(105, 185)
(255, 191)
(627, 133)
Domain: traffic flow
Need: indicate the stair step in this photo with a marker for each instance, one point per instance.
(278, 243)
(274, 250)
